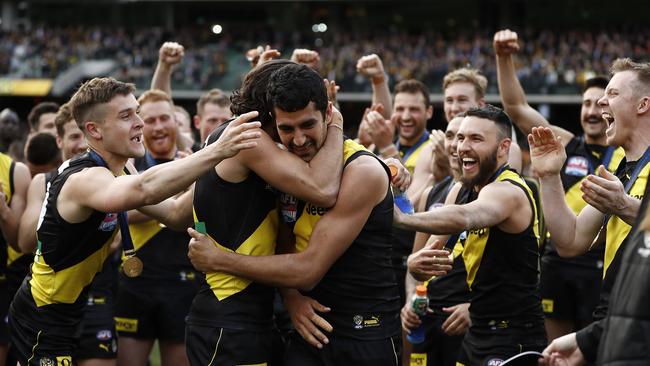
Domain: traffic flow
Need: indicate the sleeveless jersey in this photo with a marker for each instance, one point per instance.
(360, 286)
(502, 269)
(242, 218)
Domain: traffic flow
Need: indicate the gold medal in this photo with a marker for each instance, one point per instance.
(132, 265)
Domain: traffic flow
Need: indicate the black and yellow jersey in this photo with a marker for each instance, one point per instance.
(360, 287)
(241, 218)
(618, 231)
(403, 239)
(68, 255)
(7, 166)
(163, 251)
(582, 160)
(450, 289)
(502, 269)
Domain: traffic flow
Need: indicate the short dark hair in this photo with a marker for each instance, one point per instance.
(94, 93)
(42, 149)
(292, 87)
(39, 110)
(251, 96)
(413, 86)
(10, 129)
(494, 114)
(598, 81)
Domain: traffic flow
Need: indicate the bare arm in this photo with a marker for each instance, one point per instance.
(325, 245)
(571, 235)
(316, 181)
(175, 213)
(79, 193)
(422, 175)
(372, 67)
(512, 94)
(496, 202)
(28, 223)
(170, 54)
(10, 215)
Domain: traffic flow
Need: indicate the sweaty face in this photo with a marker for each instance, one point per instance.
(302, 132)
(411, 114)
(122, 128)
(451, 143)
(591, 119)
(212, 117)
(459, 97)
(477, 150)
(46, 123)
(618, 108)
(73, 141)
(160, 128)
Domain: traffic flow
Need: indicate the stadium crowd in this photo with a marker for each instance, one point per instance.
(549, 63)
(274, 239)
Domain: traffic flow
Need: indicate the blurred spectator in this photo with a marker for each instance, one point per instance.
(42, 153)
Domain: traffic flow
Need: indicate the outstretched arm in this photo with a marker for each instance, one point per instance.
(512, 94)
(80, 193)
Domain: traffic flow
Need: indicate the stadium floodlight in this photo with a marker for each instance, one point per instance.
(216, 29)
(314, 28)
(322, 27)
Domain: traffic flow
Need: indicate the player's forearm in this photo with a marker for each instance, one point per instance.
(282, 270)
(165, 180)
(442, 221)
(162, 78)
(559, 218)
(324, 174)
(175, 213)
(513, 98)
(381, 94)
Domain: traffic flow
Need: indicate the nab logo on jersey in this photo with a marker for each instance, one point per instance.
(288, 207)
(109, 223)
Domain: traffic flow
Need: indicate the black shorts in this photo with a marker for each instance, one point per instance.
(569, 292)
(154, 312)
(487, 347)
(344, 351)
(438, 348)
(98, 338)
(220, 346)
(38, 343)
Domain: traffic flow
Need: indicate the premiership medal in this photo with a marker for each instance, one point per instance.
(132, 265)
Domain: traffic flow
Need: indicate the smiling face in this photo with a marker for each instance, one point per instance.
(411, 113)
(302, 132)
(591, 120)
(618, 108)
(451, 143)
(72, 142)
(121, 130)
(480, 150)
(459, 97)
(160, 128)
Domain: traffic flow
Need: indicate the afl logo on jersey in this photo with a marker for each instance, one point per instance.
(109, 223)
(577, 166)
(288, 207)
